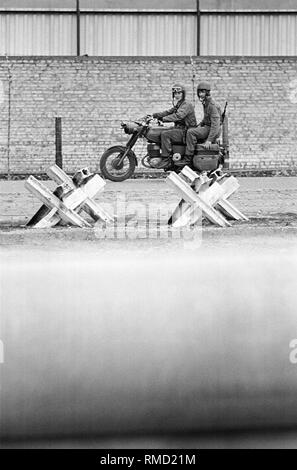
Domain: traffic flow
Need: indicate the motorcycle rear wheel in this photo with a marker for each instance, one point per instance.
(109, 164)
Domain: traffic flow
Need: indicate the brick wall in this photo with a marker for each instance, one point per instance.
(93, 94)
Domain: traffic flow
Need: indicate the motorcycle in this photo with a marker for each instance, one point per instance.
(118, 162)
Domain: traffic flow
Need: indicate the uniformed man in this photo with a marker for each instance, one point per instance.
(182, 114)
(209, 129)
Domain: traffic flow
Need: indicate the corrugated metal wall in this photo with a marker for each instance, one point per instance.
(242, 34)
(138, 34)
(37, 34)
(148, 34)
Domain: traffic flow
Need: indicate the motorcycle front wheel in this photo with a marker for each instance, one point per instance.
(110, 165)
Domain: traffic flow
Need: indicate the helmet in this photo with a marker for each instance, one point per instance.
(178, 88)
(204, 86)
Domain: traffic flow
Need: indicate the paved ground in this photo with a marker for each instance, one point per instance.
(270, 204)
(264, 196)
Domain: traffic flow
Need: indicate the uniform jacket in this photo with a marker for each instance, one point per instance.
(182, 114)
(212, 118)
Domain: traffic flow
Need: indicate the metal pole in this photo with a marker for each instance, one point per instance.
(77, 28)
(59, 160)
(198, 25)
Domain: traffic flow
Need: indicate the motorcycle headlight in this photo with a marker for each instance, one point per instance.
(129, 127)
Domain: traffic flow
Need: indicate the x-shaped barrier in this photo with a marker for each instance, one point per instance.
(203, 196)
(200, 196)
(72, 196)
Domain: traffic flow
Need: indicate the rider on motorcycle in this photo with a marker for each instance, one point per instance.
(209, 129)
(182, 114)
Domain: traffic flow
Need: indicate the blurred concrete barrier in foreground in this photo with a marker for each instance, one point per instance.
(99, 345)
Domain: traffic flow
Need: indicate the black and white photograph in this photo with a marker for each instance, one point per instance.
(148, 229)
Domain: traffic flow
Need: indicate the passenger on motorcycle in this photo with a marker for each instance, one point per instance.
(209, 129)
(182, 114)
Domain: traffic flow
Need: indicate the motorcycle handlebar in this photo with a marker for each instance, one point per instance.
(144, 121)
(150, 118)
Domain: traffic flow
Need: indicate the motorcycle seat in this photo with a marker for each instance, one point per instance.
(199, 142)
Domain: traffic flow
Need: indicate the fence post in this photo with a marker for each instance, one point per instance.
(59, 160)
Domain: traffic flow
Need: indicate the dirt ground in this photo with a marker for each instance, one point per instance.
(270, 203)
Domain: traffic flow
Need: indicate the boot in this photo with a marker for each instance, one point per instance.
(165, 163)
(187, 160)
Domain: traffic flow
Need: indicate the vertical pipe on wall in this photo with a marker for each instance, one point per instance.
(77, 28)
(193, 79)
(198, 25)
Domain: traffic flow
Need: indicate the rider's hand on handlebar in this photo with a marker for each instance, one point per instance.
(145, 118)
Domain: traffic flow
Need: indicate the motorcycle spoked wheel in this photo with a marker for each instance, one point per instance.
(110, 167)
